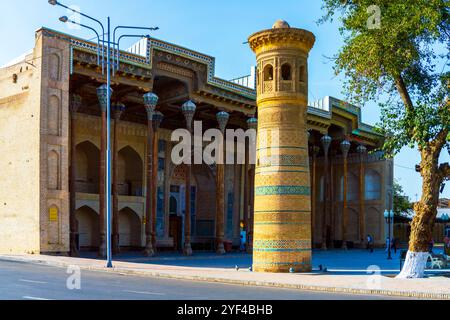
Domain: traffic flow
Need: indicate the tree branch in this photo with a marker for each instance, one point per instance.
(404, 94)
(438, 143)
(444, 171)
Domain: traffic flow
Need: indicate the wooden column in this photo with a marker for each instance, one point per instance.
(250, 177)
(252, 208)
(315, 151)
(157, 119)
(75, 103)
(246, 193)
(149, 251)
(345, 147)
(118, 109)
(222, 119)
(150, 102)
(326, 142)
(362, 217)
(188, 109)
(332, 198)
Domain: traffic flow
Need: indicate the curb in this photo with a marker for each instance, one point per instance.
(254, 283)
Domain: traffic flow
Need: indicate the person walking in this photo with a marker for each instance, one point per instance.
(394, 245)
(370, 243)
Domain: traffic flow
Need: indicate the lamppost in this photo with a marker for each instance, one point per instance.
(104, 94)
(389, 216)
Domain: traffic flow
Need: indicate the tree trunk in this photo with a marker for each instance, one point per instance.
(425, 215)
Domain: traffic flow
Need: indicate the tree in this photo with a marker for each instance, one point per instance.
(390, 55)
(402, 205)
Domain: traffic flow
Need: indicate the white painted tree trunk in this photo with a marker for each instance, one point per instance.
(414, 266)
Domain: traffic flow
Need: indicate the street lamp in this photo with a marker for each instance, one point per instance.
(104, 94)
(388, 216)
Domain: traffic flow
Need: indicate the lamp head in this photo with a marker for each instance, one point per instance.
(53, 2)
(64, 19)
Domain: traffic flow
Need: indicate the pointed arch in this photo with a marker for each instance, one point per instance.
(131, 172)
(87, 162)
(372, 185)
(130, 231)
(54, 116)
(268, 72)
(373, 223)
(53, 171)
(88, 228)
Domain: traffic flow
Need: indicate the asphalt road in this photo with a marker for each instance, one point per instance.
(22, 281)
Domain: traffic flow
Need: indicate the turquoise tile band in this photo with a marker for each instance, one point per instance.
(283, 190)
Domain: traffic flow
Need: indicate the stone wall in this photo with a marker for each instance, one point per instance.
(20, 119)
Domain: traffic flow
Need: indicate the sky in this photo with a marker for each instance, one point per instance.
(216, 28)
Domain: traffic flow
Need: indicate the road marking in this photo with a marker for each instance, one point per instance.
(35, 298)
(32, 281)
(145, 292)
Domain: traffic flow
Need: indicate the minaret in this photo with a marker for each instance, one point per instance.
(282, 223)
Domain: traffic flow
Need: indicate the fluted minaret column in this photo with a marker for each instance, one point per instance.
(250, 176)
(102, 96)
(345, 147)
(189, 111)
(222, 119)
(118, 110)
(362, 150)
(157, 119)
(75, 103)
(282, 227)
(150, 102)
(326, 142)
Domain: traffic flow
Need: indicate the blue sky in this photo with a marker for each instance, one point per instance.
(217, 28)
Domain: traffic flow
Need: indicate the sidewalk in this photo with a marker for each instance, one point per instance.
(347, 272)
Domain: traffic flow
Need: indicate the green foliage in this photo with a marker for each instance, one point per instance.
(398, 64)
(402, 205)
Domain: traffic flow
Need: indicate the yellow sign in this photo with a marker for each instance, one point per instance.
(53, 214)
